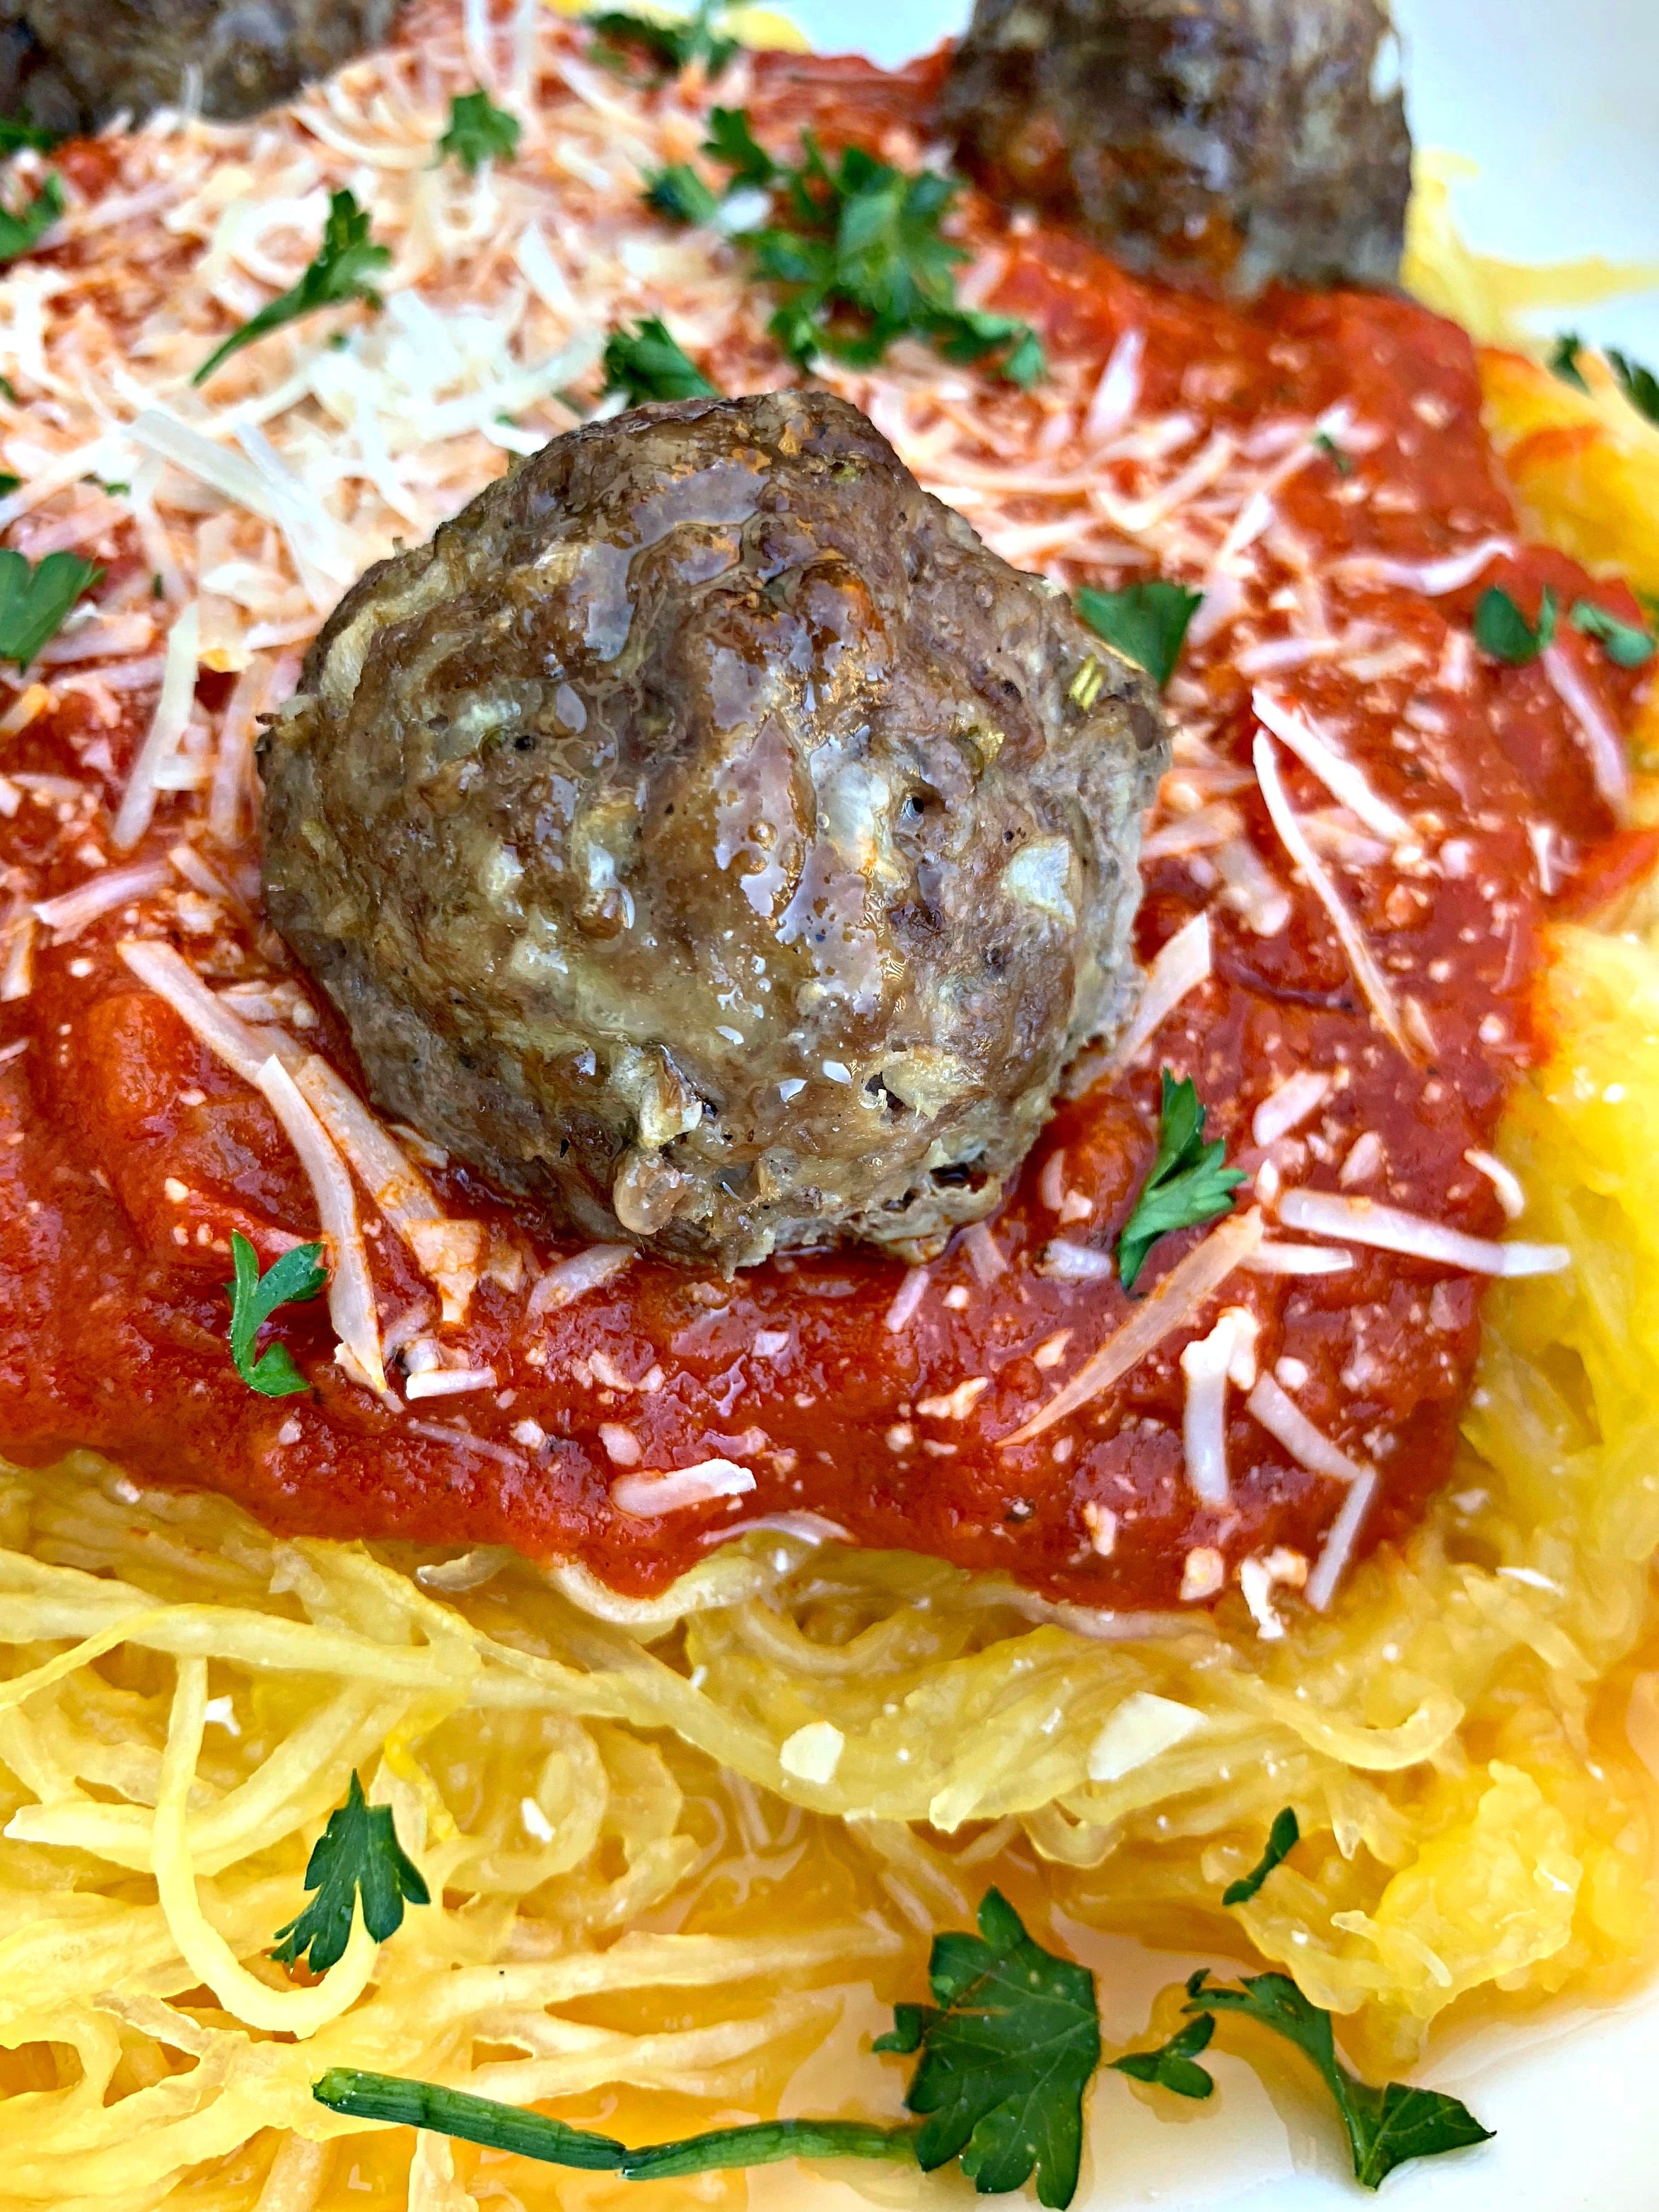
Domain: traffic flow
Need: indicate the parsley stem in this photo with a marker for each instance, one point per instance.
(533, 2135)
(474, 2119)
(767, 2141)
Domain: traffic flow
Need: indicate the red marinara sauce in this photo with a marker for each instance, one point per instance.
(846, 1387)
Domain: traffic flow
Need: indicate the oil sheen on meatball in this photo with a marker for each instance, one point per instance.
(1220, 142)
(707, 834)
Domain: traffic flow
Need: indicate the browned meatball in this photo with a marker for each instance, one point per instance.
(707, 833)
(74, 65)
(1225, 142)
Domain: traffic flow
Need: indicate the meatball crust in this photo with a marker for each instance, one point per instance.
(706, 834)
(1218, 143)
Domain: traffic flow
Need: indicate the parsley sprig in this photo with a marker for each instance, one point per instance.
(1008, 2050)
(1187, 1184)
(479, 131)
(1385, 2127)
(356, 1856)
(1639, 384)
(669, 47)
(1564, 359)
(22, 228)
(1502, 630)
(1146, 621)
(299, 1274)
(649, 362)
(341, 271)
(1283, 1837)
(854, 249)
(18, 134)
(1625, 644)
(35, 601)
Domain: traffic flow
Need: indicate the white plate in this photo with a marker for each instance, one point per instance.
(1557, 102)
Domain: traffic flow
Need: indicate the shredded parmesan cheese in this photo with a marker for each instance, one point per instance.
(1367, 974)
(350, 1291)
(1177, 1300)
(1390, 1228)
(646, 1496)
(1338, 774)
(1309, 1446)
(1179, 967)
(171, 717)
(1206, 1364)
(1338, 1548)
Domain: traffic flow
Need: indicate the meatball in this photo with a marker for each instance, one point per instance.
(1220, 142)
(75, 64)
(707, 834)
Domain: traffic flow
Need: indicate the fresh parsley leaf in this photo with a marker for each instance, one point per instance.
(10, 390)
(1502, 630)
(1564, 359)
(1283, 1837)
(479, 131)
(1640, 386)
(648, 362)
(680, 194)
(1187, 1184)
(357, 1856)
(345, 261)
(1625, 645)
(299, 1274)
(1341, 462)
(855, 251)
(734, 145)
(34, 601)
(8, 483)
(671, 46)
(1007, 2048)
(1174, 2065)
(18, 134)
(1147, 622)
(1385, 2127)
(21, 231)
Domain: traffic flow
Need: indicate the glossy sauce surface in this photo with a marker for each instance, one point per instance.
(847, 1388)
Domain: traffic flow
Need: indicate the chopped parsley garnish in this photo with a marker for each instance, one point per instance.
(1146, 621)
(1639, 384)
(298, 1275)
(1283, 1837)
(8, 483)
(1502, 630)
(18, 134)
(479, 131)
(21, 232)
(1385, 2127)
(345, 261)
(1007, 2048)
(1173, 2064)
(680, 194)
(1564, 359)
(1187, 1184)
(10, 390)
(34, 601)
(648, 362)
(668, 46)
(1341, 462)
(1624, 644)
(855, 252)
(357, 1856)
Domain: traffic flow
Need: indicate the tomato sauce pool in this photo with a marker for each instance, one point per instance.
(842, 1386)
